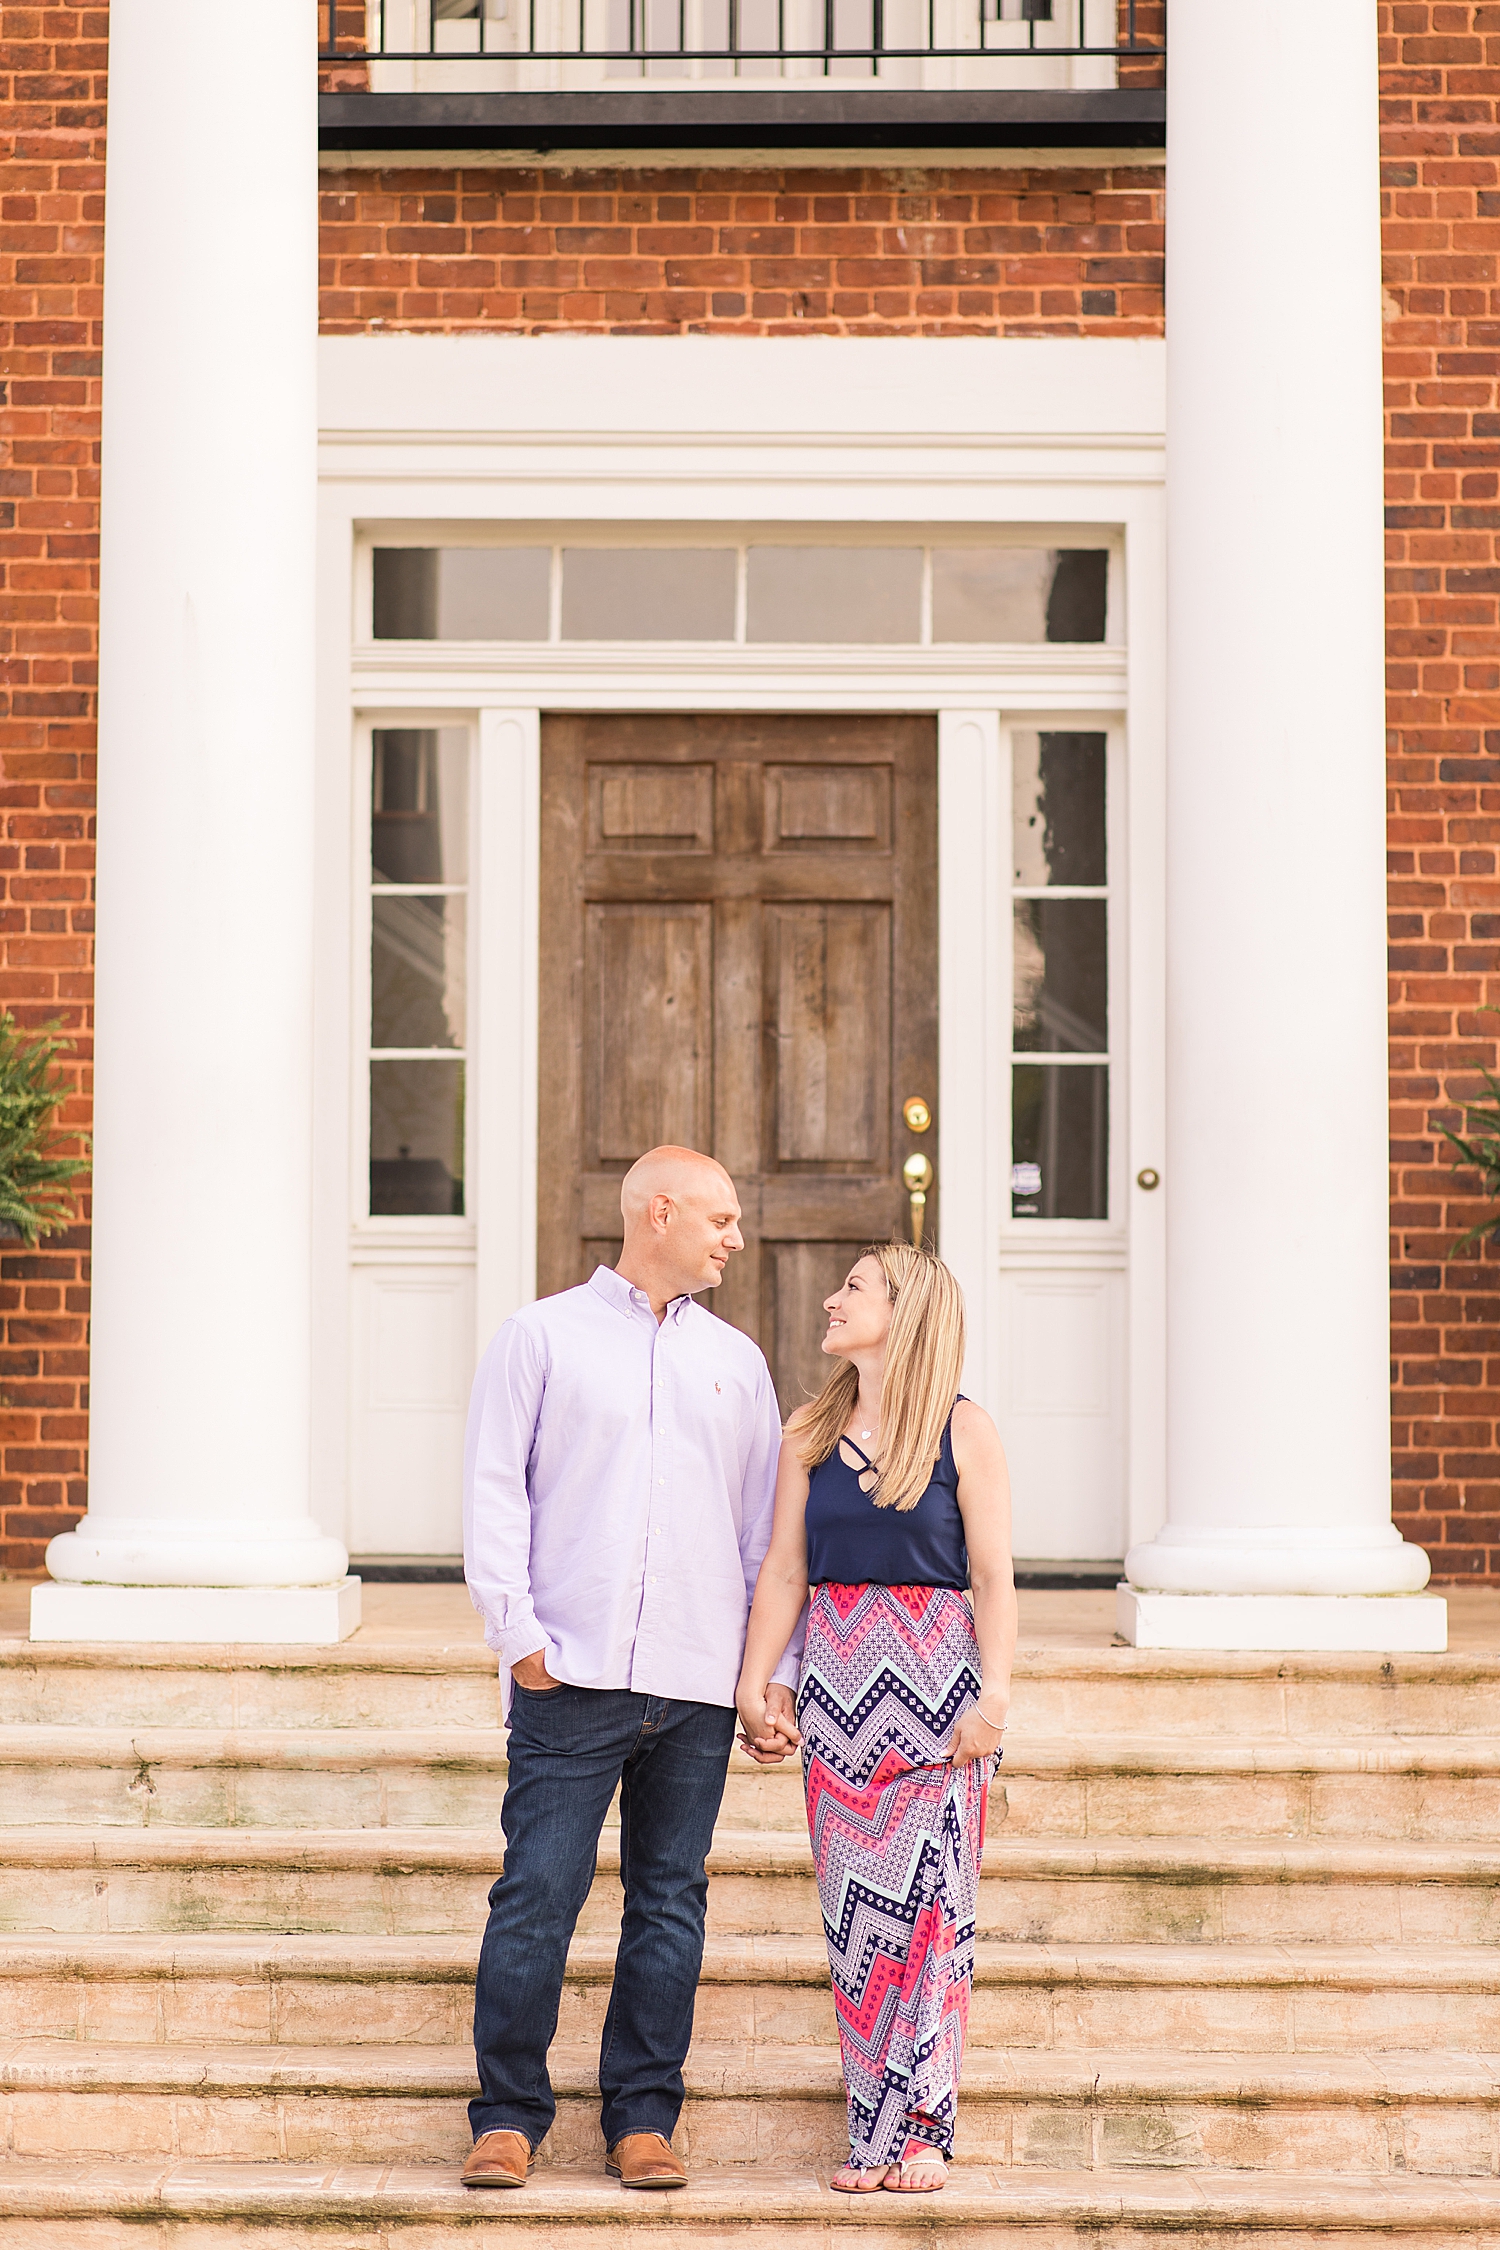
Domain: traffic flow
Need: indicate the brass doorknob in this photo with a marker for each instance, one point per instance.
(917, 1114)
(917, 1173)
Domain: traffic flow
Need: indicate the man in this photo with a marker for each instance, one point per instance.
(618, 1482)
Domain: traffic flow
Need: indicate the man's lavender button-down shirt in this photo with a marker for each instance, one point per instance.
(619, 1478)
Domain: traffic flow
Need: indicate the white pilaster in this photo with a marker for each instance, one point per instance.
(1278, 1447)
(508, 956)
(200, 1523)
(973, 1166)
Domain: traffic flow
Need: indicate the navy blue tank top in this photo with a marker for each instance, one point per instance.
(851, 1542)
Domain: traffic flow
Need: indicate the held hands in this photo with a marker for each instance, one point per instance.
(768, 1723)
(532, 1673)
(975, 1736)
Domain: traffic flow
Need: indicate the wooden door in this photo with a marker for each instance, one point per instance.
(739, 953)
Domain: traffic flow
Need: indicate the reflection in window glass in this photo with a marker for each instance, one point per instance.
(1061, 977)
(462, 593)
(1060, 1141)
(419, 859)
(420, 797)
(405, 594)
(418, 958)
(417, 1139)
(860, 594)
(1058, 797)
(1077, 600)
(648, 593)
(1019, 593)
(1060, 1121)
(838, 594)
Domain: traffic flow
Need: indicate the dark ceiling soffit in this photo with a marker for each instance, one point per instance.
(780, 118)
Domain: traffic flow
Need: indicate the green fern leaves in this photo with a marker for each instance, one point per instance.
(33, 1199)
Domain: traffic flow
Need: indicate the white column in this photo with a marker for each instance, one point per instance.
(200, 1523)
(1278, 1532)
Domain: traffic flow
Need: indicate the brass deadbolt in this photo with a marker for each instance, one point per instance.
(917, 1114)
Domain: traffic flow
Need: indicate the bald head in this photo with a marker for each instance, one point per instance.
(682, 1223)
(676, 1172)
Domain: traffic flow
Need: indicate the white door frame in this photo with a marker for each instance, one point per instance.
(424, 434)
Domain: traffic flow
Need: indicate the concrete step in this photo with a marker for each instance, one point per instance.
(211, 2205)
(299, 1777)
(1432, 2112)
(1058, 1691)
(390, 1882)
(358, 1684)
(1428, 1788)
(287, 1777)
(417, 1991)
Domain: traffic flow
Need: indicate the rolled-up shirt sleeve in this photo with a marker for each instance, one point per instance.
(789, 1670)
(759, 1503)
(503, 1410)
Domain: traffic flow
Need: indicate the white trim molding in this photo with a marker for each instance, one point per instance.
(429, 440)
(507, 842)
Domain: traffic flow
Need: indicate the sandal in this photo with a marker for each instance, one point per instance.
(926, 2159)
(860, 2179)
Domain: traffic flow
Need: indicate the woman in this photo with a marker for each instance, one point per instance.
(892, 1494)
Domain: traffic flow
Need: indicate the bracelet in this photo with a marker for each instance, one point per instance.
(997, 1725)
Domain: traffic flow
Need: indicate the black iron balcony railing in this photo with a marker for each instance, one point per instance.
(744, 35)
(450, 72)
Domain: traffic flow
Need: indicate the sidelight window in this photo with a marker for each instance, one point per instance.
(419, 871)
(1060, 1047)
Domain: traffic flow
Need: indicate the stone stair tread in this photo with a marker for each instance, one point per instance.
(754, 1851)
(483, 1747)
(770, 2072)
(367, 1652)
(297, 1747)
(775, 1959)
(331, 2194)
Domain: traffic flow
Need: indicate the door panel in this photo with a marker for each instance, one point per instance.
(808, 805)
(648, 976)
(1063, 1410)
(413, 1353)
(829, 969)
(645, 808)
(725, 903)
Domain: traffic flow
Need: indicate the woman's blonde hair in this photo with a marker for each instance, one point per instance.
(924, 1358)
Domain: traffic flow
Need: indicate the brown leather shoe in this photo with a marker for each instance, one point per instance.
(645, 2160)
(499, 2160)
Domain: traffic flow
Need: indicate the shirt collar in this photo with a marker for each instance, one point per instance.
(626, 1299)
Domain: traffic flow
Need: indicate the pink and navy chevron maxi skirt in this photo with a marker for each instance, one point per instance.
(896, 1838)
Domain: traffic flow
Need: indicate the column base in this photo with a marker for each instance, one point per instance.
(1388, 1624)
(299, 1616)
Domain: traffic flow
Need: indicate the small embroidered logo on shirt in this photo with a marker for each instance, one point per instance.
(719, 1388)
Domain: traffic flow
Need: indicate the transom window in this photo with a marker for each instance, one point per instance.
(1060, 1060)
(924, 595)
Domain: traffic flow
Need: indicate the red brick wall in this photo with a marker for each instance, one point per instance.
(1441, 138)
(763, 253)
(51, 247)
(951, 252)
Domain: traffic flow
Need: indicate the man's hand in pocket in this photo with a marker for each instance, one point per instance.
(532, 1673)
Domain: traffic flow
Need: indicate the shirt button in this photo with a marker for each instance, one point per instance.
(661, 1480)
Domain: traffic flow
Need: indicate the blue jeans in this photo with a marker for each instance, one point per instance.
(569, 1747)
